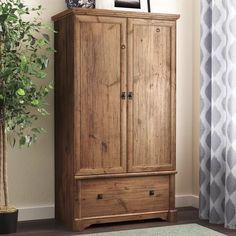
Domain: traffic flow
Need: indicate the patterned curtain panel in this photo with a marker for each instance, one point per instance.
(218, 112)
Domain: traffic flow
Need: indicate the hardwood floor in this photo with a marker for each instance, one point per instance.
(52, 228)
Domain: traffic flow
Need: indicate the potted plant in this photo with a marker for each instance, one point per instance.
(24, 52)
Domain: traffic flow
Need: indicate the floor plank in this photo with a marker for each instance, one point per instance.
(51, 228)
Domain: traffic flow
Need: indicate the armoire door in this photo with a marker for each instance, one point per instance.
(151, 106)
(100, 119)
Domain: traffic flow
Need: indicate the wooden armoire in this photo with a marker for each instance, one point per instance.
(115, 112)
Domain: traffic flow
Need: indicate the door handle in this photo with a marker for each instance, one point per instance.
(130, 95)
(123, 95)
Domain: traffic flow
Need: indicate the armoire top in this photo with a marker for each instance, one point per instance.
(112, 13)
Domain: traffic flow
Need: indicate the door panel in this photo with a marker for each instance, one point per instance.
(102, 60)
(151, 81)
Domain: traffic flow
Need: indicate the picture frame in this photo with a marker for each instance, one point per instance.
(128, 4)
(110, 5)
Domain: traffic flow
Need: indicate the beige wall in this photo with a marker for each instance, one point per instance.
(32, 170)
(196, 94)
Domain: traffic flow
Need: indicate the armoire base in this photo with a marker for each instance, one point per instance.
(81, 224)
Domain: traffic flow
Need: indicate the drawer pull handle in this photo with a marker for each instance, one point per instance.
(123, 95)
(99, 196)
(151, 193)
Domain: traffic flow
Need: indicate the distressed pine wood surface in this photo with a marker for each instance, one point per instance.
(102, 143)
(124, 196)
(150, 111)
(119, 148)
(121, 175)
(64, 123)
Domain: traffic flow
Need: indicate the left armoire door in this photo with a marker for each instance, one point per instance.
(100, 101)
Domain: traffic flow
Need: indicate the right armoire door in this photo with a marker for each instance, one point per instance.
(151, 95)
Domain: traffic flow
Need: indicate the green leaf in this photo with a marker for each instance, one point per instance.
(41, 75)
(41, 42)
(12, 17)
(22, 140)
(35, 102)
(38, 130)
(43, 111)
(3, 17)
(24, 60)
(51, 85)
(7, 72)
(20, 92)
(46, 36)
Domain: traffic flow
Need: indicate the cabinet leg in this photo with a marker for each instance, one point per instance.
(79, 226)
(172, 216)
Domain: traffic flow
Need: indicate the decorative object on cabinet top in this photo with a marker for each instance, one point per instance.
(127, 3)
(80, 3)
(124, 5)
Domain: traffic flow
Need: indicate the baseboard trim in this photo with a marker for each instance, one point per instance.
(187, 201)
(47, 212)
(36, 213)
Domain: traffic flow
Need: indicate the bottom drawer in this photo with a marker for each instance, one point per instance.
(103, 197)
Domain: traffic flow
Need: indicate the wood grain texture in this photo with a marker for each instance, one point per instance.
(124, 195)
(64, 124)
(173, 95)
(137, 174)
(172, 216)
(151, 108)
(115, 158)
(81, 224)
(112, 13)
(102, 142)
(172, 191)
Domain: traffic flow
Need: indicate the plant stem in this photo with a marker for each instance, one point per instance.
(5, 182)
(1, 134)
(1, 137)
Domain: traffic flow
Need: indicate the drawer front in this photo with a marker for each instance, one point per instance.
(103, 197)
